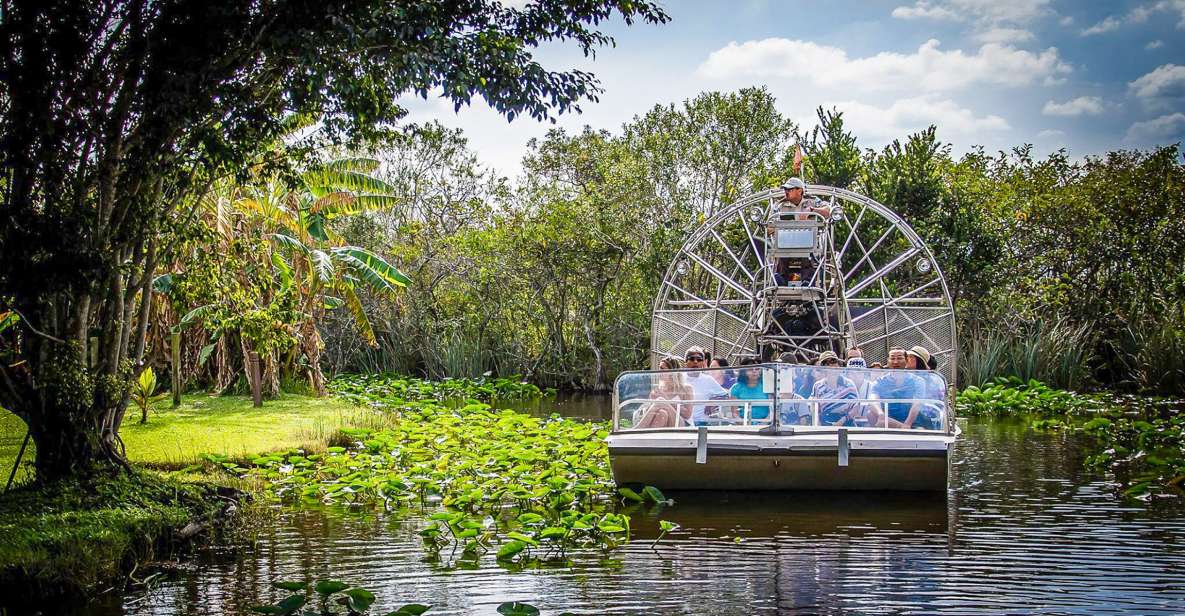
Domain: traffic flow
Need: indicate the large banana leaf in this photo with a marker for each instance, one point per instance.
(322, 266)
(321, 182)
(355, 306)
(290, 242)
(361, 164)
(283, 269)
(371, 268)
(195, 315)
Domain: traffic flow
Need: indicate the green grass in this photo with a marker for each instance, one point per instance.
(226, 425)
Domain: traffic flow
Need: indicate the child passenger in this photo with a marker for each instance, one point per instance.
(750, 385)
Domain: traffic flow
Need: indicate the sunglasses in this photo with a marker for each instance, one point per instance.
(831, 362)
(695, 358)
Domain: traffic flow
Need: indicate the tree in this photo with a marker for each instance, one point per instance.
(831, 153)
(115, 116)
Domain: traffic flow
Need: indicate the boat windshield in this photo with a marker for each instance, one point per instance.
(781, 396)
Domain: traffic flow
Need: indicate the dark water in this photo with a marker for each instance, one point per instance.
(1025, 530)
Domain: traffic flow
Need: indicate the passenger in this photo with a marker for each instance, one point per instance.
(857, 372)
(726, 378)
(919, 358)
(750, 385)
(833, 385)
(703, 386)
(790, 413)
(900, 385)
(670, 386)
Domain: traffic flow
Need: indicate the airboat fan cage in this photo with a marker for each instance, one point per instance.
(871, 282)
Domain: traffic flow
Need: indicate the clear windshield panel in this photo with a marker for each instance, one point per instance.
(778, 395)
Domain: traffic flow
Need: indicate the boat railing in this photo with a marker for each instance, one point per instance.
(850, 398)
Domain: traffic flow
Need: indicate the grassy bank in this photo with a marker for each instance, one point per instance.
(71, 538)
(226, 425)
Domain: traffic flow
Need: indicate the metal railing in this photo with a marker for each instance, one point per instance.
(865, 400)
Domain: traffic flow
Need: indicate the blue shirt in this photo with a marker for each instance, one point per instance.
(908, 387)
(741, 391)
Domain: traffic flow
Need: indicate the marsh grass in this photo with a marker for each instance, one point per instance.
(1057, 353)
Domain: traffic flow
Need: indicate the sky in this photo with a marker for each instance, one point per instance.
(1087, 76)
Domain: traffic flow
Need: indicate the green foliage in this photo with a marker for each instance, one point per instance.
(144, 394)
(186, 111)
(831, 156)
(1054, 352)
(521, 487)
(382, 389)
(69, 537)
(1006, 396)
(1143, 441)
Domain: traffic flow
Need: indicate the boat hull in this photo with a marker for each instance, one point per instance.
(797, 462)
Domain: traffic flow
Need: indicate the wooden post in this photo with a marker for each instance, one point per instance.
(254, 377)
(176, 369)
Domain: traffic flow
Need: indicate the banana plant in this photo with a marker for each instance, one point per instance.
(144, 393)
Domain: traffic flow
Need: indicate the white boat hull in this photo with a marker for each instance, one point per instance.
(805, 460)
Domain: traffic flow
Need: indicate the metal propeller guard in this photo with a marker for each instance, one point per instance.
(866, 279)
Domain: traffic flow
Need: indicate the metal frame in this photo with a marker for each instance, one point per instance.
(739, 291)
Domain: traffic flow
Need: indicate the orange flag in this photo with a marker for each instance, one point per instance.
(797, 166)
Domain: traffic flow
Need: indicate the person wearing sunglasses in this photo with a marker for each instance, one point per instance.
(703, 386)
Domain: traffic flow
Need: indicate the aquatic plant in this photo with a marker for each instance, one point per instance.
(1143, 441)
(393, 389)
(327, 594)
(523, 487)
(1012, 396)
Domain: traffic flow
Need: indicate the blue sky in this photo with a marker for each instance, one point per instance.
(1085, 76)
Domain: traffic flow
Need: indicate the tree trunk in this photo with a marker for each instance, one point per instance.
(310, 342)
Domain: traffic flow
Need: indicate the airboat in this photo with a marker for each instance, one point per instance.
(784, 288)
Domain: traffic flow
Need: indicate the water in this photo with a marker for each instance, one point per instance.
(1025, 529)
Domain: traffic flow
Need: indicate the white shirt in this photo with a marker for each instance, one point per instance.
(703, 387)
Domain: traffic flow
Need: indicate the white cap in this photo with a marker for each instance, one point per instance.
(793, 183)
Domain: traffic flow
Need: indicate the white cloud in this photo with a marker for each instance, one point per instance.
(923, 10)
(1068, 20)
(1139, 15)
(979, 11)
(1107, 25)
(1157, 44)
(1051, 133)
(910, 115)
(1002, 35)
(1164, 84)
(1165, 129)
(1083, 105)
(929, 69)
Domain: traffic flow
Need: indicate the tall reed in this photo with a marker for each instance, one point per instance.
(1057, 353)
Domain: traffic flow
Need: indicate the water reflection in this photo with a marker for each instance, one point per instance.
(1026, 529)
